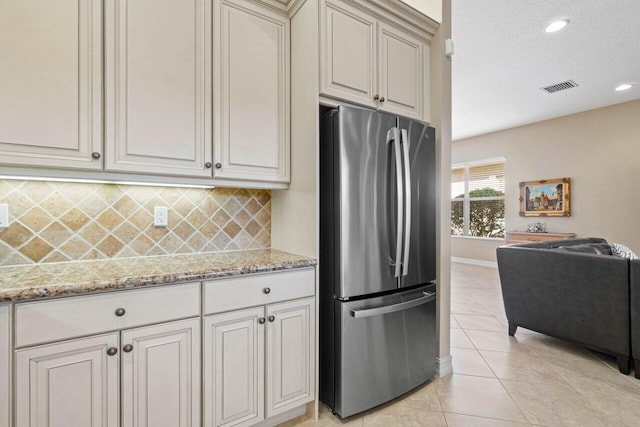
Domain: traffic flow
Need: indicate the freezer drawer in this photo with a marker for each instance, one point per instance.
(387, 346)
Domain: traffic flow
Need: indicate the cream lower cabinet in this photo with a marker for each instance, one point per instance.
(234, 368)
(73, 383)
(136, 363)
(237, 390)
(77, 382)
(161, 375)
(5, 365)
(258, 347)
(290, 355)
(372, 62)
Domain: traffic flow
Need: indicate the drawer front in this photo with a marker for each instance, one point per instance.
(70, 317)
(248, 291)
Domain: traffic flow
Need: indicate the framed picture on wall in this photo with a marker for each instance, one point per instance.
(547, 197)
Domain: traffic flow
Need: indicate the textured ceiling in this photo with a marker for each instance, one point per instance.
(503, 57)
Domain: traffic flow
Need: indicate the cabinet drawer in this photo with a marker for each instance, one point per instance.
(70, 317)
(247, 291)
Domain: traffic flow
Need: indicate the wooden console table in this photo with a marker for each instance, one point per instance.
(525, 237)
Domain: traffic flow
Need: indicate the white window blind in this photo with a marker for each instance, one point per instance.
(477, 205)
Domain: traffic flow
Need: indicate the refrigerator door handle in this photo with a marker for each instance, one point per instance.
(404, 140)
(405, 305)
(394, 135)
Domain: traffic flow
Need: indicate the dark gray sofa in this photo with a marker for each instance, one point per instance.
(573, 290)
(635, 313)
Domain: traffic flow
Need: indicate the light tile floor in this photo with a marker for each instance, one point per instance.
(529, 379)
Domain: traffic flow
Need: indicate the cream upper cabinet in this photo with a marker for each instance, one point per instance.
(401, 71)
(371, 62)
(348, 52)
(51, 83)
(158, 87)
(74, 383)
(5, 365)
(234, 368)
(161, 375)
(251, 92)
(290, 355)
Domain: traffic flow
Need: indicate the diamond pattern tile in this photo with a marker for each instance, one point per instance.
(53, 222)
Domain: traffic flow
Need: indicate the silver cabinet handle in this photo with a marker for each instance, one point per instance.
(393, 135)
(120, 312)
(382, 99)
(127, 348)
(405, 305)
(272, 318)
(267, 290)
(111, 351)
(404, 138)
(95, 155)
(218, 165)
(261, 320)
(208, 165)
(375, 98)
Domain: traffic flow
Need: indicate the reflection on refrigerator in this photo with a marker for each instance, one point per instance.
(377, 258)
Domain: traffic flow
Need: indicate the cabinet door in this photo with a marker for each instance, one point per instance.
(51, 83)
(73, 383)
(252, 92)
(234, 368)
(158, 90)
(348, 53)
(5, 365)
(290, 355)
(161, 375)
(401, 72)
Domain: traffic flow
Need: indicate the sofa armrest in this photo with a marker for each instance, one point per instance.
(577, 296)
(634, 289)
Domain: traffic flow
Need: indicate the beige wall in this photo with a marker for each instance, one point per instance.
(598, 149)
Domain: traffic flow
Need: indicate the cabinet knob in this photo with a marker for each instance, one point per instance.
(267, 290)
(207, 165)
(218, 165)
(375, 98)
(261, 320)
(382, 99)
(272, 318)
(95, 155)
(127, 348)
(111, 351)
(120, 312)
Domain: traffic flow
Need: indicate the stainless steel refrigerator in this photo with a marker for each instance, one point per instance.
(377, 257)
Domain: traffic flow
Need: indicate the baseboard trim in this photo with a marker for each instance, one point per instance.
(444, 366)
(472, 261)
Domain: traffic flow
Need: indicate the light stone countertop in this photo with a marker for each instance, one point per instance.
(26, 282)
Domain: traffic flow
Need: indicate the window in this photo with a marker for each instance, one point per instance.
(477, 204)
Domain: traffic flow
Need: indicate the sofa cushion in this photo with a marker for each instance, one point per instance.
(588, 248)
(622, 251)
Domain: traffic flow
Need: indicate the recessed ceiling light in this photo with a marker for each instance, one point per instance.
(556, 26)
(622, 87)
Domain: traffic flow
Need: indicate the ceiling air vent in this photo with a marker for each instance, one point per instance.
(560, 86)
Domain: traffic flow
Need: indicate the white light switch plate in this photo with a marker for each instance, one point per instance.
(4, 215)
(160, 216)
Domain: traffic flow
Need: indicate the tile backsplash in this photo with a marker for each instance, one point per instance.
(56, 221)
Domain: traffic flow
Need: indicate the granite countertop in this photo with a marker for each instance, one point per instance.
(25, 282)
